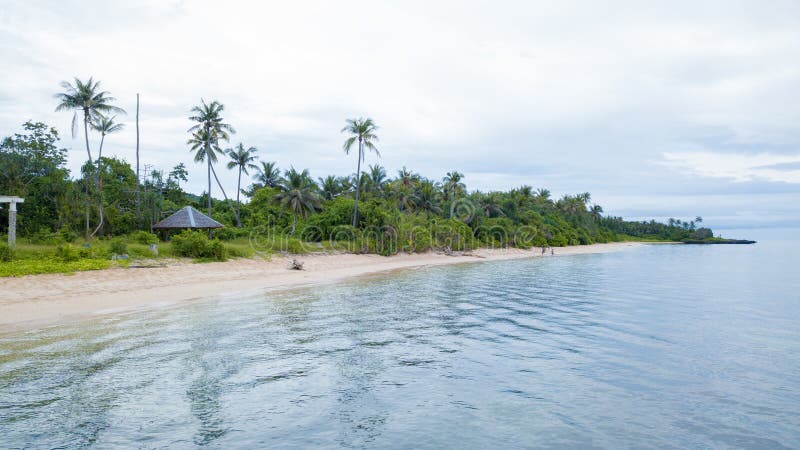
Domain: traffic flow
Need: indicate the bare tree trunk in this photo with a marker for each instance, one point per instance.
(138, 186)
(358, 183)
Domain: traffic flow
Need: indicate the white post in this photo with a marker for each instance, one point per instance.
(12, 218)
(12, 224)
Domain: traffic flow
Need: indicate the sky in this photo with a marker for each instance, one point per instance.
(658, 109)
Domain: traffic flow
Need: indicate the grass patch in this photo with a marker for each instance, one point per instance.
(22, 267)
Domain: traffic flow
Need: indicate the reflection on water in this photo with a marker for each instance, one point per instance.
(660, 346)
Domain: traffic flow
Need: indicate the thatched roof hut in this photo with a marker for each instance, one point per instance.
(188, 217)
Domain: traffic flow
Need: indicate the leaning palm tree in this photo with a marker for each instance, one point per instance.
(361, 131)
(92, 102)
(105, 126)
(297, 194)
(243, 159)
(207, 133)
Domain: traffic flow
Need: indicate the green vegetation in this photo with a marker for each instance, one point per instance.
(80, 221)
(195, 244)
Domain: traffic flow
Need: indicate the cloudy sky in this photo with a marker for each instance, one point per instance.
(679, 108)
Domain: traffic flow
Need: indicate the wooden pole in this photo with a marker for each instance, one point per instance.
(138, 190)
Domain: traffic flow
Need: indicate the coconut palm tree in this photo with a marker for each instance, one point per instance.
(452, 185)
(105, 126)
(596, 212)
(92, 102)
(268, 174)
(543, 194)
(426, 198)
(377, 178)
(330, 187)
(490, 206)
(407, 177)
(243, 159)
(297, 194)
(361, 131)
(88, 99)
(207, 133)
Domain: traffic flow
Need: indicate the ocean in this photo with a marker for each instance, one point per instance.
(657, 346)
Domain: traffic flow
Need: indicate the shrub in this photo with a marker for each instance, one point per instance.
(143, 237)
(70, 253)
(230, 233)
(195, 244)
(6, 253)
(117, 246)
(66, 235)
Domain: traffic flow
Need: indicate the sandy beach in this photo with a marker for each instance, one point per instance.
(45, 300)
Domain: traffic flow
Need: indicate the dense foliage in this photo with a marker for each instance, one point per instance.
(282, 210)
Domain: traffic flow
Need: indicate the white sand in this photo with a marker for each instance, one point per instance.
(43, 300)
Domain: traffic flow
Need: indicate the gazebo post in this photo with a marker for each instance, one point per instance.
(12, 218)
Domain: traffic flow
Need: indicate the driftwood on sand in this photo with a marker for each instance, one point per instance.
(296, 265)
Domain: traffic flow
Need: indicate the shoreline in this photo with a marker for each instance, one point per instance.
(39, 301)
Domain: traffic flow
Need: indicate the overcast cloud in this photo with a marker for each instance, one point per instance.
(683, 109)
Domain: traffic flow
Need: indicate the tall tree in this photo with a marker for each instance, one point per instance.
(105, 126)
(330, 187)
(206, 134)
(452, 185)
(268, 175)
(243, 159)
(377, 179)
(91, 101)
(88, 99)
(362, 131)
(297, 194)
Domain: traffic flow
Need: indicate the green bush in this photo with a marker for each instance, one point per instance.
(143, 237)
(6, 253)
(195, 244)
(118, 246)
(66, 235)
(70, 253)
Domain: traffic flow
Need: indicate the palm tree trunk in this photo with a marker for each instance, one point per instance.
(208, 160)
(86, 133)
(294, 223)
(224, 195)
(89, 155)
(358, 184)
(238, 205)
(99, 186)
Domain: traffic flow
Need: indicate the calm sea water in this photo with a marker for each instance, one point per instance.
(658, 346)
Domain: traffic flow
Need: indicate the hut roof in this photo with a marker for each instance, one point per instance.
(188, 217)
